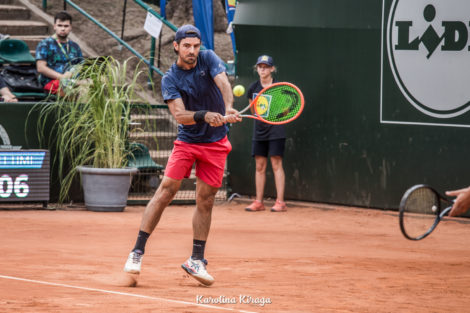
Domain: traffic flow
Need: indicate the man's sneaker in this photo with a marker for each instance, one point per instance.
(255, 206)
(197, 269)
(134, 263)
(279, 206)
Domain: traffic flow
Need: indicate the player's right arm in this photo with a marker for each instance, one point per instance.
(185, 117)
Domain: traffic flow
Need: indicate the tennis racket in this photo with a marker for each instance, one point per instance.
(421, 210)
(279, 103)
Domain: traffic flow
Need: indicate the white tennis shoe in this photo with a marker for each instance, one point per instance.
(197, 269)
(133, 263)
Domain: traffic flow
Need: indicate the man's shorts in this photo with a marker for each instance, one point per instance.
(209, 157)
(52, 87)
(268, 147)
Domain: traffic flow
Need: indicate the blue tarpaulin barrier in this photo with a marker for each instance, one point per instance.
(204, 20)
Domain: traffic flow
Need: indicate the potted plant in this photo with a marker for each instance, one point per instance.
(91, 124)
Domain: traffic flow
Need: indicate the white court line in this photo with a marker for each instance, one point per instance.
(124, 294)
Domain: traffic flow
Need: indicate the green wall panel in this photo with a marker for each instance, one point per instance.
(21, 130)
(20, 122)
(338, 151)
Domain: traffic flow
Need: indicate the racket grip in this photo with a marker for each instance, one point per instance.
(226, 118)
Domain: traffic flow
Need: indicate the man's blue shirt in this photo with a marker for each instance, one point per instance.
(57, 59)
(197, 89)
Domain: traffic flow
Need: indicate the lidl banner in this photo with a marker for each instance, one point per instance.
(425, 70)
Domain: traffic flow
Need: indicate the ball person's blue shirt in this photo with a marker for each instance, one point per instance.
(197, 89)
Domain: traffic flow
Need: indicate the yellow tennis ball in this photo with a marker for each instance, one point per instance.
(238, 91)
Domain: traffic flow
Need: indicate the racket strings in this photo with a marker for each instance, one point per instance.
(280, 103)
(420, 211)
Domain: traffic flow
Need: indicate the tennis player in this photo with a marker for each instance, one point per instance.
(268, 141)
(198, 94)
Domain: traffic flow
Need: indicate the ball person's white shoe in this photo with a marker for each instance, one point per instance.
(133, 263)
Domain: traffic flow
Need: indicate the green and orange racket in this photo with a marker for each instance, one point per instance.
(279, 103)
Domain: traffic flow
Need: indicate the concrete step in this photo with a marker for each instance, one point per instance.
(154, 122)
(149, 134)
(146, 117)
(155, 140)
(181, 195)
(153, 125)
(23, 28)
(14, 12)
(160, 156)
(31, 41)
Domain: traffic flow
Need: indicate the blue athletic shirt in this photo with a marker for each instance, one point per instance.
(197, 89)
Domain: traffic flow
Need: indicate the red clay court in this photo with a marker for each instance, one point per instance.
(316, 258)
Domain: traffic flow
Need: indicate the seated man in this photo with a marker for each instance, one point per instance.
(57, 53)
(6, 93)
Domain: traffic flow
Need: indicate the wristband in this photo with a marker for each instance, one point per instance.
(199, 116)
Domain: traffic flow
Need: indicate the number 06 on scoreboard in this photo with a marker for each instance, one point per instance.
(24, 176)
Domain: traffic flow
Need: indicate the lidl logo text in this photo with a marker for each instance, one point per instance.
(427, 44)
(453, 37)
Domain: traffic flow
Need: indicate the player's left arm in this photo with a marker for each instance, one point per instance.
(222, 82)
(185, 117)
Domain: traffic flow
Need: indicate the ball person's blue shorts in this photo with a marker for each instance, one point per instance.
(267, 148)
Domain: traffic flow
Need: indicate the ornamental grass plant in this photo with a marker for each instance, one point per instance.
(90, 119)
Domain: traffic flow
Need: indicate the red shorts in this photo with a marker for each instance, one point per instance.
(53, 86)
(209, 157)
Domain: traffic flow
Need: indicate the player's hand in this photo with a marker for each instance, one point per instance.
(461, 203)
(214, 119)
(232, 116)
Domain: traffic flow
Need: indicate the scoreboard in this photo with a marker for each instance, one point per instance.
(24, 176)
